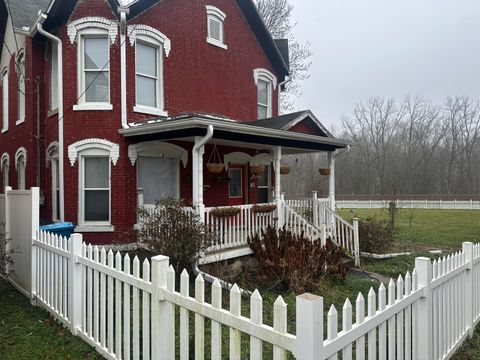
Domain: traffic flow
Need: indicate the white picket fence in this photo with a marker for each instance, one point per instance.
(410, 204)
(128, 310)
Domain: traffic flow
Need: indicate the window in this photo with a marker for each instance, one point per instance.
(95, 189)
(21, 88)
(235, 184)
(158, 177)
(5, 100)
(55, 189)
(21, 172)
(53, 86)
(266, 82)
(94, 72)
(264, 103)
(94, 193)
(215, 26)
(5, 161)
(263, 186)
(148, 76)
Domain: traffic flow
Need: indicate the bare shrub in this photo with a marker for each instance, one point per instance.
(174, 231)
(376, 235)
(296, 260)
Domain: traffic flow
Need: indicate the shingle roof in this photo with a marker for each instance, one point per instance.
(278, 122)
(25, 12)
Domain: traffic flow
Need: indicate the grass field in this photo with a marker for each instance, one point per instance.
(430, 229)
(28, 332)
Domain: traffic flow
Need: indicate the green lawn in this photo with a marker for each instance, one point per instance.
(430, 229)
(28, 332)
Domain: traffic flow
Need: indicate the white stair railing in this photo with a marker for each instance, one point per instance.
(298, 225)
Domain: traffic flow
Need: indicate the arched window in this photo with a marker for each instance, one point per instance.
(266, 83)
(20, 87)
(20, 165)
(215, 26)
(5, 165)
(5, 99)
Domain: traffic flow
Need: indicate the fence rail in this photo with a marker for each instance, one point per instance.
(410, 204)
(128, 310)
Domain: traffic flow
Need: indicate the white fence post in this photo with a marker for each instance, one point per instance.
(309, 324)
(7, 224)
(356, 242)
(75, 289)
(423, 267)
(314, 209)
(35, 219)
(163, 341)
(467, 248)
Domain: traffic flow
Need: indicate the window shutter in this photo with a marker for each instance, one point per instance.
(215, 29)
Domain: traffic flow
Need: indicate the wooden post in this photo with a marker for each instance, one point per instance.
(309, 324)
(423, 267)
(75, 289)
(356, 242)
(163, 331)
(467, 248)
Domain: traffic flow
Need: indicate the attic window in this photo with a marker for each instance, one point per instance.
(215, 26)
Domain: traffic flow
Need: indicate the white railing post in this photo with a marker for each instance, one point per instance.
(423, 267)
(75, 289)
(356, 242)
(309, 324)
(163, 342)
(467, 248)
(315, 209)
(280, 212)
(323, 233)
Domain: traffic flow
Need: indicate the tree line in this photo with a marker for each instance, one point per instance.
(405, 147)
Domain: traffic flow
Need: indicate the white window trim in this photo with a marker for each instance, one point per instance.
(20, 94)
(5, 161)
(92, 152)
(54, 187)
(216, 13)
(89, 22)
(5, 100)
(51, 152)
(267, 76)
(21, 154)
(93, 143)
(152, 37)
(82, 104)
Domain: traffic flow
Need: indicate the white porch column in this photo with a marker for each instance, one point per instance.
(277, 157)
(197, 176)
(331, 180)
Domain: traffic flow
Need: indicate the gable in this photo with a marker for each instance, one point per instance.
(307, 126)
(3, 24)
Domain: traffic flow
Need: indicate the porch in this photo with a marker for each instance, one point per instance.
(249, 161)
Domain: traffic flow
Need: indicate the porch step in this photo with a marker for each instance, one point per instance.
(221, 255)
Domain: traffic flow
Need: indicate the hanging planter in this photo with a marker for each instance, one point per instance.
(225, 212)
(215, 166)
(285, 169)
(324, 171)
(257, 169)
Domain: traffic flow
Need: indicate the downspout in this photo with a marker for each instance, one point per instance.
(197, 160)
(37, 92)
(205, 139)
(283, 83)
(123, 63)
(61, 184)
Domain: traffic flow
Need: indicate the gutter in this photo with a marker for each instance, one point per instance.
(229, 126)
(42, 18)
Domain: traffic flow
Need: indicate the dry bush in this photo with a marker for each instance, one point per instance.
(173, 231)
(376, 235)
(296, 261)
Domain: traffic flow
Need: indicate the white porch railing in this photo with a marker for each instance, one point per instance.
(233, 231)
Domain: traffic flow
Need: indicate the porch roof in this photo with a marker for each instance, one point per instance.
(261, 132)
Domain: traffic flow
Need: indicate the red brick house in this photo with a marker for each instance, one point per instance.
(106, 108)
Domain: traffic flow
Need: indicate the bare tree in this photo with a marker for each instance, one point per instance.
(277, 17)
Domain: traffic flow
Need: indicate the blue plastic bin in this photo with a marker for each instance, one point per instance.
(62, 229)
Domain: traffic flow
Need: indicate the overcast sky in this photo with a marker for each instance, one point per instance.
(364, 48)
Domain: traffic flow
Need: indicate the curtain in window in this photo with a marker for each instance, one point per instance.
(157, 177)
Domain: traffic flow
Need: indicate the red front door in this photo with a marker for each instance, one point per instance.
(236, 185)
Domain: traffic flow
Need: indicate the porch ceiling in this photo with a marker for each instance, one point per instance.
(231, 132)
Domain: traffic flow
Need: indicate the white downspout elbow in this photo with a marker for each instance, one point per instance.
(61, 184)
(208, 136)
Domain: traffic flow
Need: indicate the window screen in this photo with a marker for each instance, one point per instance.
(97, 188)
(158, 178)
(235, 184)
(96, 69)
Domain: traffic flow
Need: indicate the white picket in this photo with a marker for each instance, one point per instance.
(382, 329)
(256, 316)
(360, 317)
(235, 309)
(126, 310)
(332, 327)
(216, 341)
(136, 312)
(391, 322)
(146, 313)
(103, 301)
(199, 319)
(184, 321)
(118, 307)
(347, 326)
(372, 335)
